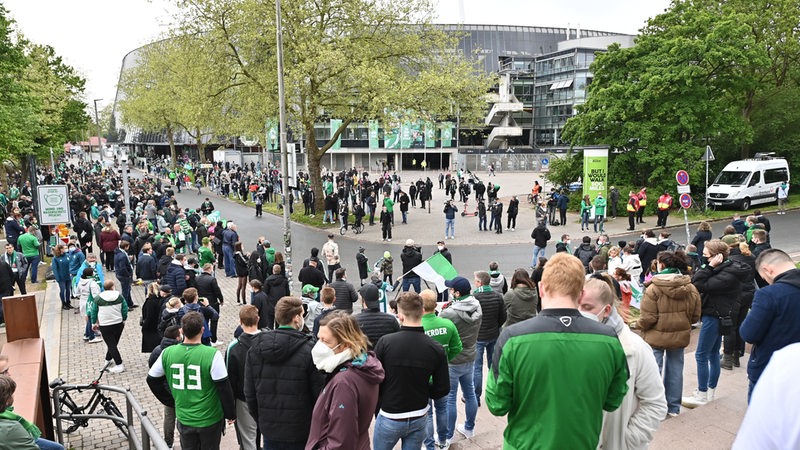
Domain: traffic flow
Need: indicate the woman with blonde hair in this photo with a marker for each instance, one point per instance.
(354, 378)
(719, 282)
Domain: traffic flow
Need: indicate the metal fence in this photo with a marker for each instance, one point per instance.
(150, 439)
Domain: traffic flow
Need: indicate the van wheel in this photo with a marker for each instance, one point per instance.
(746, 204)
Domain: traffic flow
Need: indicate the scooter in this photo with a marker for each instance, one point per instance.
(465, 213)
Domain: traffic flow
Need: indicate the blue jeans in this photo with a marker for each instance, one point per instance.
(44, 444)
(584, 220)
(461, 374)
(411, 281)
(598, 219)
(441, 423)
(33, 266)
(477, 378)
(707, 354)
(125, 288)
(537, 252)
(328, 216)
(230, 264)
(65, 292)
(88, 332)
(450, 224)
(673, 376)
(388, 432)
(750, 386)
(482, 223)
(405, 216)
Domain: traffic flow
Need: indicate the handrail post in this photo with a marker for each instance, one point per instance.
(57, 414)
(129, 411)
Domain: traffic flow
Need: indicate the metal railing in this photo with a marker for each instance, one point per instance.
(150, 438)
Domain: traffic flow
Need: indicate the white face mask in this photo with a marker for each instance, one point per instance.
(326, 359)
(441, 247)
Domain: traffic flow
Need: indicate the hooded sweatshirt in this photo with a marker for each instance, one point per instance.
(644, 405)
(520, 303)
(86, 286)
(498, 282)
(109, 308)
(281, 384)
(466, 314)
(344, 410)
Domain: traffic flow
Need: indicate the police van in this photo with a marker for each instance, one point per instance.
(749, 182)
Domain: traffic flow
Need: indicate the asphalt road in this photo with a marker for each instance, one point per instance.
(466, 258)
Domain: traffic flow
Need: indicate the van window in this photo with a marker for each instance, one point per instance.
(732, 178)
(776, 175)
(756, 178)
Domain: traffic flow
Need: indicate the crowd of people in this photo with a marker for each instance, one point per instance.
(315, 371)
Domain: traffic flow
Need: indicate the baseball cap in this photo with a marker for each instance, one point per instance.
(409, 242)
(386, 254)
(370, 294)
(731, 239)
(166, 288)
(308, 288)
(459, 284)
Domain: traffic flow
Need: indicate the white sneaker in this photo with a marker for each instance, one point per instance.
(443, 446)
(697, 399)
(95, 340)
(711, 393)
(463, 430)
(119, 368)
(218, 344)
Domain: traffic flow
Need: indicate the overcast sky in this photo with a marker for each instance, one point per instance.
(94, 35)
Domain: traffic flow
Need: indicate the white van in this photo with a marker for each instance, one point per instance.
(749, 182)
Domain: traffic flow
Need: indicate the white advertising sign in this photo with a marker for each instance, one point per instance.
(53, 204)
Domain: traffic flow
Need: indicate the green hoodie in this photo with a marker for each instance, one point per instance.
(443, 331)
(270, 254)
(600, 206)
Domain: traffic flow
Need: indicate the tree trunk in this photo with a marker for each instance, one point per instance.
(201, 147)
(314, 174)
(744, 151)
(171, 140)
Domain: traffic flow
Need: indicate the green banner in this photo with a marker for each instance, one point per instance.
(391, 138)
(335, 124)
(430, 135)
(595, 172)
(373, 134)
(405, 135)
(447, 134)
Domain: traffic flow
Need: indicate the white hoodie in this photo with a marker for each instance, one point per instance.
(85, 287)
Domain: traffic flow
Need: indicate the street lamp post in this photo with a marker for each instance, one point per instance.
(99, 139)
(287, 232)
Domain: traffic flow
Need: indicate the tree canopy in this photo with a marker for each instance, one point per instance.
(351, 60)
(41, 104)
(704, 72)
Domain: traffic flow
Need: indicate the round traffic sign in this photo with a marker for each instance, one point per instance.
(545, 161)
(682, 177)
(686, 201)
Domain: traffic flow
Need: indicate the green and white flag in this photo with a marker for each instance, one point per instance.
(436, 269)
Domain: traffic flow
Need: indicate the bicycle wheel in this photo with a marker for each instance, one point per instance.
(342, 230)
(111, 409)
(69, 407)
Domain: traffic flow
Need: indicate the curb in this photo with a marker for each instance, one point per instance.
(50, 329)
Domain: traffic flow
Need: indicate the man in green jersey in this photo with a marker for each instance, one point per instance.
(198, 386)
(443, 331)
(555, 374)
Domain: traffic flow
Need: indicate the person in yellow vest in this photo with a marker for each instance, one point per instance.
(642, 196)
(632, 207)
(664, 204)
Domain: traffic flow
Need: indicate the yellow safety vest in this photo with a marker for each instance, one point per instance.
(631, 207)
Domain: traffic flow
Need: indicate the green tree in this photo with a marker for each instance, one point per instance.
(704, 72)
(352, 60)
(176, 87)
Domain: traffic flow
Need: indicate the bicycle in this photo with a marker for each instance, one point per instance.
(357, 228)
(69, 408)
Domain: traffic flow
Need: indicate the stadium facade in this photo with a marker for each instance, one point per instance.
(543, 73)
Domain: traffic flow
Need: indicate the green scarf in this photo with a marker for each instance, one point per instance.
(482, 289)
(669, 270)
(32, 429)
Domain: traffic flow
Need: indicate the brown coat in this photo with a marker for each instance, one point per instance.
(670, 306)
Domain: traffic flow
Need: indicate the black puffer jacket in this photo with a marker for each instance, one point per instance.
(275, 287)
(346, 295)
(376, 324)
(411, 257)
(720, 287)
(494, 313)
(281, 384)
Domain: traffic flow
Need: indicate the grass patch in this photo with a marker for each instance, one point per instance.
(297, 216)
(694, 214)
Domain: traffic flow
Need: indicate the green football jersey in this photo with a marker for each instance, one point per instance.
(190, 371)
